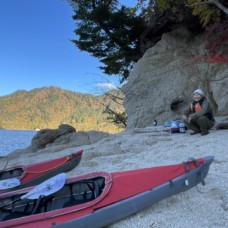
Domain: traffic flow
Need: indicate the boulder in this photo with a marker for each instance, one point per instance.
(79, 138)
(53, 140)
(48, 136)
(222, 124)
(161, 83)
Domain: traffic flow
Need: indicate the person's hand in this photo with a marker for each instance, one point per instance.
(189, 119)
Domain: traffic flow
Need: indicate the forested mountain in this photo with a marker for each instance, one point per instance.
(48, 107)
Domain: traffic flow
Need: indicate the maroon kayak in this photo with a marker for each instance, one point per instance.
(33, 174)
(100, 199)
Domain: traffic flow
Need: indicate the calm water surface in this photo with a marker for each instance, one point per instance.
(11, 140)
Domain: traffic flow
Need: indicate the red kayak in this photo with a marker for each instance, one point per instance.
(98, 199)
(22, 176)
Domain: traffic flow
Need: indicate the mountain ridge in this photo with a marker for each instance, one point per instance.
(48, 107)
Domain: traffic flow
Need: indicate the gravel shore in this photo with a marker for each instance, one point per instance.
(201, 206)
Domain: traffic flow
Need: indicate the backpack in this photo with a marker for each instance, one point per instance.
(177, 126)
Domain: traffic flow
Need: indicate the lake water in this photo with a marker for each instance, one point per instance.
(11, 140)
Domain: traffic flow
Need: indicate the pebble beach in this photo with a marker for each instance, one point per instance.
(201, 206)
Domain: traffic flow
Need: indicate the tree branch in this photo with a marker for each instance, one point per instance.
(215, 2)
(220, 6)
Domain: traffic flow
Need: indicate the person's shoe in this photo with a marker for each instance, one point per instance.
(204, 133)
(194, 133)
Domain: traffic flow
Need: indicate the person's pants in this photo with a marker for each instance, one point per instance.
(201, 124)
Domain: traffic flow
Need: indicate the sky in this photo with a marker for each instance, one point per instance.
(36, 49)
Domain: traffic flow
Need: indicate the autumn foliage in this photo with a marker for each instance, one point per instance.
(217, 43)
(48, 107)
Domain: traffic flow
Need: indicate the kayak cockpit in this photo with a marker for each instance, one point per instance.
(11, 173)
(72, 193)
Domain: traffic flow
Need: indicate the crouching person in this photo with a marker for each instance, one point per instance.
(198, 117)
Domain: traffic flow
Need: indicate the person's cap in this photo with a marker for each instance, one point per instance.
(199, 91)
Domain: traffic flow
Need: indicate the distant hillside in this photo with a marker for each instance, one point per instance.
(48, 107)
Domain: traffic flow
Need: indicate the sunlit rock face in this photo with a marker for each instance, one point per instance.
(162, 81)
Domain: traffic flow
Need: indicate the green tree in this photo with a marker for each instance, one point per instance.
(109, 33)
(118, 35)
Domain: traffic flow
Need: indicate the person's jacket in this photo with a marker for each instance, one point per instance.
(203, 110)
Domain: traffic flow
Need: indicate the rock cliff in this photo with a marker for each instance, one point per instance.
(162, 81)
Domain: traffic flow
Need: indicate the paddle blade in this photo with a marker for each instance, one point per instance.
(47, 187)
(9, 183)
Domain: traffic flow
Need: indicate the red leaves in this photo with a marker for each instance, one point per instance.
(217, 43)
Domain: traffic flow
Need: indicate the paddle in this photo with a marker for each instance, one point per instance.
(47, 187)
(9, 183)
(44, 189)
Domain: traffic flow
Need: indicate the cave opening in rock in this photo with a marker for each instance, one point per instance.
(177, 106)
